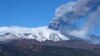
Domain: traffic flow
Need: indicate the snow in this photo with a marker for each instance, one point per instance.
(39, 33)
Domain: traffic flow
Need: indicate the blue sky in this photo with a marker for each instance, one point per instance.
(28, 13)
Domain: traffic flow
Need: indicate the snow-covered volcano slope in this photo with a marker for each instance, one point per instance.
(39, 33)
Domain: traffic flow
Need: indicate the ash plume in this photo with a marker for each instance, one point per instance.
(67, 14)
(93, 19)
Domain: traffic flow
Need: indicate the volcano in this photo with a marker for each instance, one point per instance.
(61, 37)
(21, 41)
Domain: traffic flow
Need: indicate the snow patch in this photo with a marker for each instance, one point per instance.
(39, 33)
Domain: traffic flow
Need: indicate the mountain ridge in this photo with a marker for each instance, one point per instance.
(40, 33)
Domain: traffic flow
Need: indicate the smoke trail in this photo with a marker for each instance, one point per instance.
(93, 19)
(67, 14)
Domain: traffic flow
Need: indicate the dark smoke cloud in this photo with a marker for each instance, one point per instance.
(67, 14)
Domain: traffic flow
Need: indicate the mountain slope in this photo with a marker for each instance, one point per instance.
(40, 33)
(43, 41)
(27, 49)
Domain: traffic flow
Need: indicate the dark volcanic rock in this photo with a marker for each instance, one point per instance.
(24, 47)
